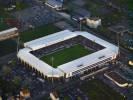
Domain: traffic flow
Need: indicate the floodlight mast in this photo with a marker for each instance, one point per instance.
(80, 24)
(118, 43)
(18, 40)
(52, 60)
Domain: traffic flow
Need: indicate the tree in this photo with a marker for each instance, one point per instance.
(17, 81)
(6, 70)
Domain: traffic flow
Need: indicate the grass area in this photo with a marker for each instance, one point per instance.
(3, 25)
(97, 90)
(124, 3)
(101, 10)
(21, 5)
(3, 17)
(66, 55)
(66, 98)
(130, 5)
(7, 47)
(38, 32)
(93, 7)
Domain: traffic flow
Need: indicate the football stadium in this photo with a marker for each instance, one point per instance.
(66, 54)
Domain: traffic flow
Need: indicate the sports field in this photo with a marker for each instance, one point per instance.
(38, 32)
(66, 55)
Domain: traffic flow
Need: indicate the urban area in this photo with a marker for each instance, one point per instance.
(66, 49)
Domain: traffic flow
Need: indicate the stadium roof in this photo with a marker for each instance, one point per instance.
(49, 40)
(37, 63)
(83, 61)
(25, 55)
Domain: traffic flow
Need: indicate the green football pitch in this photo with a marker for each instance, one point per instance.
(66, 55)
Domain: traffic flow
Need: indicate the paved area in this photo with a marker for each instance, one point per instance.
(64, 25)
(36, 16)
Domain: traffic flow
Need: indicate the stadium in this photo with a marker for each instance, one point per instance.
(66, 54)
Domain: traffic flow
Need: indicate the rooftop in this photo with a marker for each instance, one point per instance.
(118, 29)
(115, 76)
(54, 3)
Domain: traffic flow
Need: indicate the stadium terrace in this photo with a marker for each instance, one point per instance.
(101, 52)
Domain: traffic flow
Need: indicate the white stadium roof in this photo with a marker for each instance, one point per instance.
(49, 40)
(24, 54)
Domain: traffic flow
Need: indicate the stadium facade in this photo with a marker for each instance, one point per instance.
(106, 52)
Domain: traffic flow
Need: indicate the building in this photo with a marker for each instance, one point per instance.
(10, 33)
(117, 79)
(104, 53)
(125, 35)
(55, 4)
(80, 14)
(25, 93)
(54, 96)
(93, 22)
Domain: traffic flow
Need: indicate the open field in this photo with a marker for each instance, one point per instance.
(7, 47)
(3, 24)
(21, 6)
(66, 55)
(95, 90)
(38, 32)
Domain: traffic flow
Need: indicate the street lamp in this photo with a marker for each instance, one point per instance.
(18, 43)
(118, 43)
(80, 23)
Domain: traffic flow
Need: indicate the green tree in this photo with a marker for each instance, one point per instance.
(6, 70)
(17, 81)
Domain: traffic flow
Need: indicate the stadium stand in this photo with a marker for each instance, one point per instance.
(103, 52)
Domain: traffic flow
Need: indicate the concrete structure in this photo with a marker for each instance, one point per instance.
(117, 79)
(10, 33)
(72, 68)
